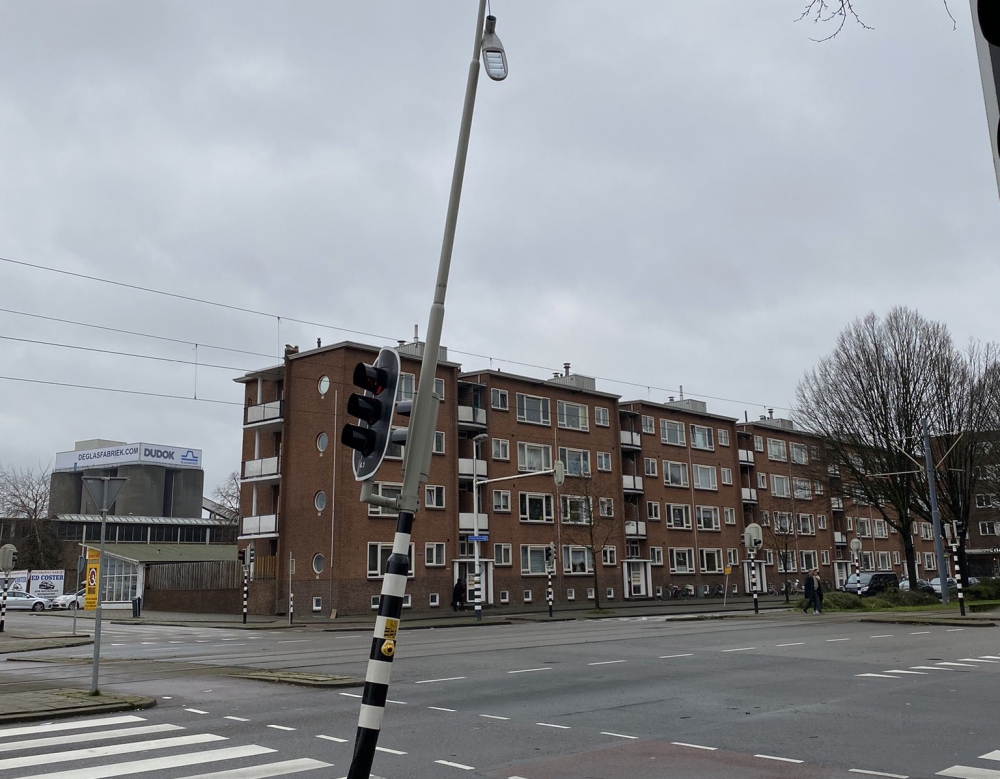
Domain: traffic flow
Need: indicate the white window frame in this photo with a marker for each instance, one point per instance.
(606, 507)
(379, 488)
(677, 552)
(776, 450)
(649, 466)
(571, 554)
(784, 525)
(930, 561)
(880, 529)
(785, 490)
(805, 524)
(818, 488)
(653, 510)
(726, 475)
(895, 558)
(531, 554)
(565, 455)
(705, 432)
(761, 481)
(672, 432)
(808, 559)
(406, 386)
(438, 442)
(582, 416)
(439, 387)
(432, 493)
(544, 450)
(802, 488)
(435, 555)
(729, 515)
(501, 449)
(578, 505)
(498, 399)
(732, 557)
(864, 527)
(648, 425)
(707, 517)
(382, 547)
(543, 410)
(656, 555)
(706, 555)
(677, 515)
(722, 436)
(799, 453)
(672, 468)
(884, 563)
(825, 557)
(705, 477)
(602, 417)
(604, 462)
(524, 500)
(758, 443)
(609, 555)
(501, 506)
(502, 555)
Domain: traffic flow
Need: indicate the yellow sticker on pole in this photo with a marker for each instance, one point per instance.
(93, 577)
(729, 570)
(391, 626)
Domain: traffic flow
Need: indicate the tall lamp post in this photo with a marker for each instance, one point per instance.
(423, 420)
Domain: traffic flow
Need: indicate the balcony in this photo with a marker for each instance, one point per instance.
(632, 483)
(635, 529)
(749, 495)
(837, 504)
(471, 417)
(255, 527)
(746, 457)
(468, 468)
(264, 416)
(839, 538)
(833, 469)
(267, 469)
(466, 525)
(631, 440)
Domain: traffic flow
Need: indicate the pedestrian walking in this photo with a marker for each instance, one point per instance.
(818, 598)
(810, 592)
(458, 595)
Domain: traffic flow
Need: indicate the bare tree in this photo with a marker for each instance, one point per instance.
(839, 11)
(590, 519)
(24, 495)
(867, 400)
(227, 494)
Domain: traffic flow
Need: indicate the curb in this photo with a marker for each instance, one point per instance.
(978, 623)
(139, 703)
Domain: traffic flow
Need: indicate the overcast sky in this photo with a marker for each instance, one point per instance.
(665, 193)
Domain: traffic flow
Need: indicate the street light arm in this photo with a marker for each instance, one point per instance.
(518, 476)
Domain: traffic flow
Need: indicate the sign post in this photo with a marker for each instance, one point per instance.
(104, 491)
(725, 592)
(8, 559)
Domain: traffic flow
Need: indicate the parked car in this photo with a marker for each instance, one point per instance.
(922, 586)
(22, 600)
(871, 583)
(70, 600)
(952, 586)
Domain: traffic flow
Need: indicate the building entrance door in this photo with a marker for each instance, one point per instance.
(637, 578)
(466, 569)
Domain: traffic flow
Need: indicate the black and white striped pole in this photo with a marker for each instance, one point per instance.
(753, 539)
(550, 568)
(856, 555)
(241, 555)
(958, 569)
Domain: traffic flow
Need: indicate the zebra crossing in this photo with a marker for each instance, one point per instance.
(975, 772)
(128, 744)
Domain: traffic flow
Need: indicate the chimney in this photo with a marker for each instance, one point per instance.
(400, 342)
(319, 343)
(566, 369)
(682, 391)
(770, 413)
(416, 333)
(556, 375)
(671, 398)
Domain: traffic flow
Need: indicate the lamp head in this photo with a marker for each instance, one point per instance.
(494, 58)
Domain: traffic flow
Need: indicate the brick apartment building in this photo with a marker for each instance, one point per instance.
(676, 483)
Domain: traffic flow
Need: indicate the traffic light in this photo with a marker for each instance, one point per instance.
(370, 437)
(8, 557)
(241, 555)
(550, 553)
(250, 553)
(986, 27)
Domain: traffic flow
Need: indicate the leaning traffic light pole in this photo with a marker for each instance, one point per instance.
(420, 437)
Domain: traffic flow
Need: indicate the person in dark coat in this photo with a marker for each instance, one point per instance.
(810, 592)
(458, 596)
(818, 598)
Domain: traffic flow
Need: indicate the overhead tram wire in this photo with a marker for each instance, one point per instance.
(255, 312)
(122, 391)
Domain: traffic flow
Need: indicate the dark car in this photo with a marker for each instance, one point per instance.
(871, 583)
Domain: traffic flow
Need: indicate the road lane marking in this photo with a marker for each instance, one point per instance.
(332, 738)
(884, 635)
(977, 660)
(953, 630)
(456, 765)
(930, 668)
(879, 676)
(960, 665)
(390, 751)
(920, 633)
(898, 671)
(196, 711)
(968, 772)
(782, 759)
(295, 640)
(237, 719)
(493, 716)
(836, 639)
(686, 654)
(168, 697)
(608, 662)
(439, 708)
(550, 725)
(877, 773)
(796, 643)
(446, 679)
(994, 755)
(350, 694)
(616, 735)
(989, 657)
(161, 763)
(528, 670)
(693, 746)
(741, 649)
(401, 703)
(280, 727)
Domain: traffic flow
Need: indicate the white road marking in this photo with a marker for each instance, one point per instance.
(796, 643)
(608, 662)
(168, 697)
(741, 649)
(994, 755)
(283, 768)
(77, 738)
(879, 676)
(920, 633)
(294, 640)
(439, 708)
(686, 654)
(105, 751)
(176, 642)
(989, 657)
(960, 665)
(877, 773)
(160, 763)
(975, 660)
(953, 630)
(196, 711)
(968, 772)
(333, 738)
(782, 759)
(237, 719)
(550, 725)
(528, 670)
(456, 765)
(929, 668)
(350, 694)
(884, 635)
(616, 735)
(446, 679)
(493, 716)
(390, 751)
(899, 671)
(401, 703)
(280, 727)
(835, 639)
(693, 746)
(229, 639)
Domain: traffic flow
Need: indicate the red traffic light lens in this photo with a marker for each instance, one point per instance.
(370, 378)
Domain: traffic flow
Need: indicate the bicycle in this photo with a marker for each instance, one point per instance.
(676, 592)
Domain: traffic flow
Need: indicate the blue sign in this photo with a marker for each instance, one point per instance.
(479, 538)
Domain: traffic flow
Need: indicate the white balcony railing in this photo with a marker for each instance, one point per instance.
(635, 529)
(264, 412)
(466, 525)
(746, 457)
(749, 495)
(469, 467)
(631, 439)
(267, 466)
(633, 483)
(839, 538)
(470, 415)
(265, 524)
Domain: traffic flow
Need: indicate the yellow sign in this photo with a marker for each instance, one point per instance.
(729, 570)
(391, 626)
(93, 577)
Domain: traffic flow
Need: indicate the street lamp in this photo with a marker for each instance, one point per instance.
(477, 579)
(494, 57)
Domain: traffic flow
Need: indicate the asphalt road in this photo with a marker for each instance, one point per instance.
(754, 697)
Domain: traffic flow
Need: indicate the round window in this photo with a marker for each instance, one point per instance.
(319, 562)
(320, 500)
(323, 385)
(322, 441)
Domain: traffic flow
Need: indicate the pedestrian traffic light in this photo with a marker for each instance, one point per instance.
(370, 438)
(250, 553)
(241, 555)
(550, 552)
(986, 27)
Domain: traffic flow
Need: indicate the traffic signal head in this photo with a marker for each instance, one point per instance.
(250, 553)
(241, 555)
(374, 409)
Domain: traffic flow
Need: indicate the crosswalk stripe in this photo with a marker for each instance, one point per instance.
(111, 749)
(156, 763)
(968, 772)
(994, 755)
(77, 738)
(55, 727)
(263, 771)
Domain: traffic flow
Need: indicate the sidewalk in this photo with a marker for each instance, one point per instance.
(61, 702)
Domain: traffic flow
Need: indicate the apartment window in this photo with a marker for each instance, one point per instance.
(498, 399)
(868, 561)
(393, 451)
(577, 559)
(672, 432)
(378, 559)
(807, 527)
(701, 438)
(783, 523)
(776, 450)
(864, 528)
(609, 555)
(501, 500)
(821, 521)
(575, 509)
(576, 461)
(406, 387)
(533, 559)
(532, 409)
(881, 530)
(502, 554)
(765, 518)
(707, 517)
(650, 466)
(535, 507)
(786, 561)
(800, 454)
(803, 489)
(926, 531)
(675, 474)
(678, 515)
(895, 558)
(984, 501)
(758, 443)
(501, 449)
(808, 560)
(434, 554)
(825, 556)
(653, 510)
(386, 491)
(711, 561)
(779, 486)
(761, 481)
(723, 436)
(730, 516)
(768, 557)
(648, 425)
(681, 560)
(433, 497)
(930, 561)
(572, 416)
(533, 457)
(656, 555)
(607, 507)
(850, 523)
(465, 547)
(704, 477)
(818, 488)
(439, 388)
(727, 475)
(732, 557)
(883, 561)
(601, 418)
(988, 528)
(438, 442)
(604, 461)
